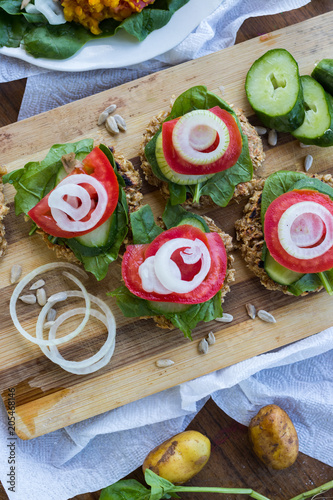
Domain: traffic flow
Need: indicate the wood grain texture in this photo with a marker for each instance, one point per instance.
(47, 397)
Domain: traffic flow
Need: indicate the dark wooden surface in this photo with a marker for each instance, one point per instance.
(232, 463)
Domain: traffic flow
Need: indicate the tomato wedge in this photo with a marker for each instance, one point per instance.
(98, 166)
(229, 158)
(135, 255)
(273, 215)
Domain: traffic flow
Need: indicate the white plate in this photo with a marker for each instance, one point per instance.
(122, 49)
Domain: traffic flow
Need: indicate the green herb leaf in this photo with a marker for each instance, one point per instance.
(160, 487)
(308, 283)
(36, 179)
(143, 225)
(127, 489)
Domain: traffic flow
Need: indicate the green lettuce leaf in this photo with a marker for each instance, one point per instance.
(221, 186)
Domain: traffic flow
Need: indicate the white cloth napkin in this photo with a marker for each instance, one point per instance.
(97, 452)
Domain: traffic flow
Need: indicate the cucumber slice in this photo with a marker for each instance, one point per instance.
(278, 273)
(95, 242)
(317, 127)
(323, 73)
(195, 221)
(274, 90)
(170, 174)
(98, 237)
(168, 307)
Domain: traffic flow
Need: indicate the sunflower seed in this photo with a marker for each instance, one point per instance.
(226, 318)
(304, 145)
(251, 310)
(15, 273)
(211, 338)
(261, 130)
(308, 162)
(111, 125)
(37, 284)
(203, 346)
(120, 122)
(48, 325)
(272, 137)
(164, 363)
(266, 316)
(110, 109)
(28, 299)
(41, 296)
(51, 315)
(58, 297)
(102, 118)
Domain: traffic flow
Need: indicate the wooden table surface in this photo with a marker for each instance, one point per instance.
(232, 464)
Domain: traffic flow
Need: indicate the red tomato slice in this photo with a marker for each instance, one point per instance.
(135, 255)
(273, 214)
(97, 165)
(229, 158)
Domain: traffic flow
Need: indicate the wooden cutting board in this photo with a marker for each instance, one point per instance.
(48, 398)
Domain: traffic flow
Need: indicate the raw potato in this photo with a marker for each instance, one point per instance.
(179, 458)
(274, 437)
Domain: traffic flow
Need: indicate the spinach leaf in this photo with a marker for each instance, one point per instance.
(275, 185)
(55, 42)
(221, 186)
(126, 489)
(133, 306)
(307, 283)
(12, 29)
(176, 215)
(313, 183)
(36, 179)
(143, 225)
(130, 305)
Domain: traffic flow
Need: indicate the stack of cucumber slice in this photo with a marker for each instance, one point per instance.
(288, 102)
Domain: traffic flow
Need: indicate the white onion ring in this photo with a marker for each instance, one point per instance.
(62, 212)
(150, 282)
(48, 347)
(163, 264)
(183, 130)
(50, 303)
(99, 359)
(286, 236)
(20, 286)
(77, 193)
